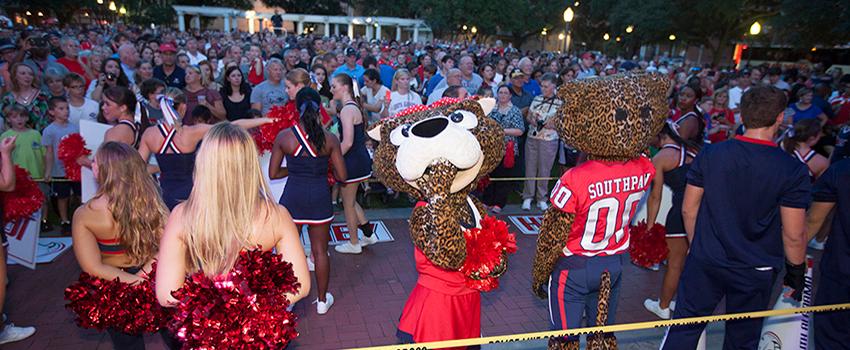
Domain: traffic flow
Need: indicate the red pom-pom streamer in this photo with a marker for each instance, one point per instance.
(24, 200)
(483, 183)
(445, 101)
(101, 304)
(647, 247)
(243, 309)
(71, 148)
(487, 250)
(284, 117)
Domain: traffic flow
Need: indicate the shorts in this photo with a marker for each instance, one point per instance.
(64, 189)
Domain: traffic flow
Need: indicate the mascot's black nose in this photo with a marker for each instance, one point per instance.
(430, 128)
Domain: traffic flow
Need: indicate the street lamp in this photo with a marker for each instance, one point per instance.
(576, 4)
(100, 2)
(568, 17)
(122, 10)
(112, 6)
(630, 29)
(474, 30)
(464, 27)
(606, 37)
(561, 36)
(672, 37)
(29, 13)
(40, 14)
(617, 39)
(755, 29)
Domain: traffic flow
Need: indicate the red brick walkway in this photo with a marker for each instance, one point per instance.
(370, 290)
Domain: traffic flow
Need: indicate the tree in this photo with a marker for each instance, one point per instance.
(238, 4)
(318, 7)
(813, 22)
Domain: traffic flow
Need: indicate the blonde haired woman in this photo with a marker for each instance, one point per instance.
(197, 94)
(116, 233)
(401, 97)
(220, 219)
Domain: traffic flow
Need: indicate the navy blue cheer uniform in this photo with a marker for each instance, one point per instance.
(737, 249)
(676, 179)
(175, 169)
(842, 145)
(307, 195)
(831, 327)
(358, 163)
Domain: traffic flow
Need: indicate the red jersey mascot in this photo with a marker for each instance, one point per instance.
(585, 232)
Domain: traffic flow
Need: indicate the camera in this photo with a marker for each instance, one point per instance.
(110, 76)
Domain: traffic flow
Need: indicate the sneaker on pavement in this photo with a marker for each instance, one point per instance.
(526, 204)
(817, 245)
(12, 334)
(348, 248)
(496, 209)
(654, 306)
(364, 241)
(542, 205)
(322, 307)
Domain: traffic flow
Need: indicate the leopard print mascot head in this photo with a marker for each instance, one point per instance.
(438, 154)
(613, 117)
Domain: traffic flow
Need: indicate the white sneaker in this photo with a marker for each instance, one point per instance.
(526, 204)
(654, 306)
(348, 248)
(542, 205)
(364, 241)
(12, 334)
(311, 265)
(816, 245)
(322, 307)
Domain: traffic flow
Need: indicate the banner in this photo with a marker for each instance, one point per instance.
(527, 224)
(339, 234)
(790, 331)
(22, 236)
(666, 203)
(93, 133)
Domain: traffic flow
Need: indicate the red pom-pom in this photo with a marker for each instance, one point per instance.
(284, 117)
(101, 304)
(483, 183)
(71, 148)
(647, 247)
(487, 250)
(243, 309)
(24, 200)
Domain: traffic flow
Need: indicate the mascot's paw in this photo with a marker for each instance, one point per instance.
(559, 343)
(438, 178)
(539, 289)
(601, 341)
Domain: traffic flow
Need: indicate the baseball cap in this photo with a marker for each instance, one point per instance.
(167, 47)
(6, 44)
(350, 52)
(516, 72)
(587, 55)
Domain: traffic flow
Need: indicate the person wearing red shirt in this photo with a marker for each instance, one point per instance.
(722, 118)
(72, 60)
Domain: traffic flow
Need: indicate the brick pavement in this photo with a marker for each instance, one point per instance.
(369, 289)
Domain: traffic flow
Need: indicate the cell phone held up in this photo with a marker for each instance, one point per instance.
(111, 76)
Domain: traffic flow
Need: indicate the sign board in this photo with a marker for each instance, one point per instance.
(22, 235)
(339, 234)
(93, 132)
(527, 224)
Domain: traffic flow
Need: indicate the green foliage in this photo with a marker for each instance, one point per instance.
(813, 22)
(320, 7)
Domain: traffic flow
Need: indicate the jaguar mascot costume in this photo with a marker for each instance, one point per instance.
(438, 154)
(579, 257)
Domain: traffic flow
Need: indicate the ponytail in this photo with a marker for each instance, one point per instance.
(801, 131)
(308, 101)
(671, 129)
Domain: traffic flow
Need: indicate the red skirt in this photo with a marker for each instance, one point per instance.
(440, 307)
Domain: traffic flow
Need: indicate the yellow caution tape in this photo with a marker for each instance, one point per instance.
(611, 328)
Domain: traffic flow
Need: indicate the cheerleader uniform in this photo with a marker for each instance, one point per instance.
(676, 179)
(176, 169)
(441, 306)
(805, 160)
(357, 160)
(137, 136)
(307, 195)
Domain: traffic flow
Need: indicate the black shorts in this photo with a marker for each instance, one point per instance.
(64, 189)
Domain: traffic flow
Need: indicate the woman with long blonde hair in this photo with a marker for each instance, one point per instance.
(401, 97)
(116, 233)
(220, 220)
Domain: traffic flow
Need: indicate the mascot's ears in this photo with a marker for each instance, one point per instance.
(487, 105)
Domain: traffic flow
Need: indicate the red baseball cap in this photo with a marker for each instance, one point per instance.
(167, 47)
(587, 55)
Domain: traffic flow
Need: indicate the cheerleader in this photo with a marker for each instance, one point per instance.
(671, 168)
(799, 142)
(175, 145)
(119, 108)
(308, 148)
(358, 163)
(219, 221)
(116, 233)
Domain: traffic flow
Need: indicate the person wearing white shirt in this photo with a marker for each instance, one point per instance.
(735, 94)
(453, 78)
(195, 56)
(80, 107)
(401, 98)
(374, 94)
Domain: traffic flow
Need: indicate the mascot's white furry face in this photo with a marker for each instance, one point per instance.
(440, 135)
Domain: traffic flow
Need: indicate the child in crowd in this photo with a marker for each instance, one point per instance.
(28, 153)
(79, 106)
(53, 80)
(54, 170)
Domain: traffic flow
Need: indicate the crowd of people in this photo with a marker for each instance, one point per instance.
(163, 93)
